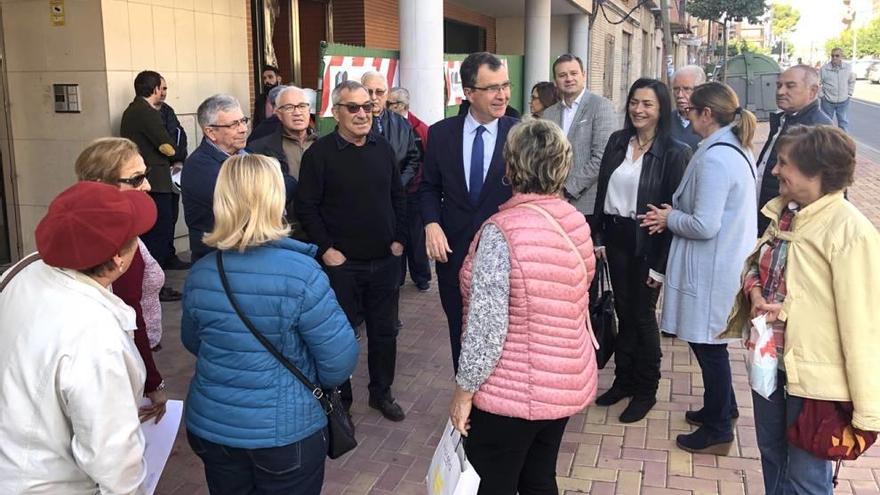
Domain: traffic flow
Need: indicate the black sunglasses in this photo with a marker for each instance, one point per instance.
(353, 108)
(135, 180)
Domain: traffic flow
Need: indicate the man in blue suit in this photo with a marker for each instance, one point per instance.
(463, 178)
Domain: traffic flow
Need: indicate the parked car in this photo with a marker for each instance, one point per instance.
(860, 68)
(874, 73)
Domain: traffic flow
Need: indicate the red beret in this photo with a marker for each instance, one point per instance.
(90, 222)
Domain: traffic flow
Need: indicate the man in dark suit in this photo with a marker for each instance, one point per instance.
(463, 184)
(142, 123)
(684, 81)
(262, 107)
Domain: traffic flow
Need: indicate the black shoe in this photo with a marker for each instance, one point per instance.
(703, 442)
(398, 325)
(637, 409)
(167, 294)
(696, 417)
(388, 408)
(424, 286)
(176, 263)
(612, 396)
(667, 334)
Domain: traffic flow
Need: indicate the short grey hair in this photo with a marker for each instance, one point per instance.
(274, 93)
(694, 70)
(371, 75)
(349, 86)
(401, 94)
(284, 90)
(538, 157)
(208, 110)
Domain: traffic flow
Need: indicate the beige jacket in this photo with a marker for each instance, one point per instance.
(832, 306)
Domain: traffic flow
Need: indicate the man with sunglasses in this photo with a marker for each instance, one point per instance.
(463, 180)
(142, 123)
(838, 85)
(350, 202)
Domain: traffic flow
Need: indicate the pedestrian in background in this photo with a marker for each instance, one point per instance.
(254, 425)
(527, 362)
(641, 165)
(838, 86)
(814, 274)
(712, 220)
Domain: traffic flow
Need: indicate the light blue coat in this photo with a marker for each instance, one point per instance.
(714, 226)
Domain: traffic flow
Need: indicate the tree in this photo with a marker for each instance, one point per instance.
(868, 45)
(784, 19)
(724, 11)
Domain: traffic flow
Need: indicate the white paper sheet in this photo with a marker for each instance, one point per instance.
(159, 440)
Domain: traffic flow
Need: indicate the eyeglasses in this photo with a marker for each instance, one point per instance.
(232, 125)
(688, 110)
(378, 92)
(836, 55)
(289, 108)
(392, 103)
(136, 180)
(495, 88)
(682, 89)
(353, 108)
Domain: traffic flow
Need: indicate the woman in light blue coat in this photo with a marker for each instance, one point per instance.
(713, 222)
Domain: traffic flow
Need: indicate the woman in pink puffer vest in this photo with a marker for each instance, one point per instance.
(528, 358)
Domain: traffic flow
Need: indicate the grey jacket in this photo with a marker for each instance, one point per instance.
(590, 129)
(838, 83)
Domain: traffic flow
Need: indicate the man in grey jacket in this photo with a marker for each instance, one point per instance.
(587, 120)
(838, 84)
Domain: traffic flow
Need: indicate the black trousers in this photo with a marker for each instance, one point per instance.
(719, 401)
(637, 350)
(450, 299)
(415, 254)
(160, 239)
(371, 287)
(514, 455)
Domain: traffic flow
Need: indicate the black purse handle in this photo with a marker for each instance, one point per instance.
(316, 390)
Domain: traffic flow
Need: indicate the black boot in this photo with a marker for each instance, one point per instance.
(612, 396)
(704, 442)
(637, 409)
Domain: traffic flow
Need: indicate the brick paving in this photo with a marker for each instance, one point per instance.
(599, 455)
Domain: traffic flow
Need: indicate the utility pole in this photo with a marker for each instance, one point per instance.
(667, 39)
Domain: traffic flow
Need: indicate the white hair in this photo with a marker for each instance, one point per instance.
(208, 110)
(694, 70)
(370, 75)
(402, 94)
(285, 90)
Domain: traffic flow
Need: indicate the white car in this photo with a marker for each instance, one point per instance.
(861, 67)
(874, 73)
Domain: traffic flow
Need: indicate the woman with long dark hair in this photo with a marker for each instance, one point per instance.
(641, 165)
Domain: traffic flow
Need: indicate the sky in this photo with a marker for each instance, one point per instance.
(821, 20)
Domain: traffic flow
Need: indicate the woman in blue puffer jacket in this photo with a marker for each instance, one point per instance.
(254, 425)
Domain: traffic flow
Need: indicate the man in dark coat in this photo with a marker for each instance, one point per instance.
(460, 188)
(684, 81)
(142, 123)
(178, 136)
(262, 109)
(797, 96)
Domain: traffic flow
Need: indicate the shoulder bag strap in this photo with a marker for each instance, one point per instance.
(577, 253)
(316, 390)
(742, 154)
(21, 265)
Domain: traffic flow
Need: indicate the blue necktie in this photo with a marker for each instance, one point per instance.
(476, 175)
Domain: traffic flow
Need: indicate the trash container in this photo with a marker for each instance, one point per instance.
(753, 77)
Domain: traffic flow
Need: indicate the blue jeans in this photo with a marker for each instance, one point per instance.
(837, 108)
(787, 469)
(719, 401)
(295, 468)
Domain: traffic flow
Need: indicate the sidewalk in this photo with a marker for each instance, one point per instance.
(598, 454)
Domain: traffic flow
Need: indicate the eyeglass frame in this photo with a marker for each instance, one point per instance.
(290, 107)
(495, 88)
(232, 125)
(366, 107)
(135, 180)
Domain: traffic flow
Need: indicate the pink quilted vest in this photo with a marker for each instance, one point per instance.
(547, 368)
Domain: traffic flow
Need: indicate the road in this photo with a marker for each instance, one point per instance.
(863, 120)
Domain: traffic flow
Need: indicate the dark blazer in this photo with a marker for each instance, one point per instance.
(175, 130)
(810, 115)
(273, 145)
(264, 128)
(663, 166)
(143, 124)
(685, 134)
(399, 133)
(259, 114)
(197, 183)
(444, 195)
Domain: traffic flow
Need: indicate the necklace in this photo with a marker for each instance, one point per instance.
(643, 147)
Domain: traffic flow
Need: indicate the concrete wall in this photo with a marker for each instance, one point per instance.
(511, 35)
(199, 46)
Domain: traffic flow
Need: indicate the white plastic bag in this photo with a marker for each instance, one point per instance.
(450, 472)
(761, 357)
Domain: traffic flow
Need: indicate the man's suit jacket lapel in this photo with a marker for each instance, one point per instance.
(457, 161)
(579, 115)
(496, 166)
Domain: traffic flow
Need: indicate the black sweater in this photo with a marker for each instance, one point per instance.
(350, 197)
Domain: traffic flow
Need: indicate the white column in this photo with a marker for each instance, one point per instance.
(421, 56)
(579, 38)
(537, 47)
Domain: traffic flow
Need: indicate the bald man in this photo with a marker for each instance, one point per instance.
(797, 96)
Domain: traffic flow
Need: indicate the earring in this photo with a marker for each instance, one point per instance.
(505, 181)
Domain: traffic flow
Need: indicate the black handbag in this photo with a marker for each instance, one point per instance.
(339, 425)
(603, 317)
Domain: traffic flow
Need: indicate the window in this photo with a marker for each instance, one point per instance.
(459, 37)
(625, 65)
(608, 76)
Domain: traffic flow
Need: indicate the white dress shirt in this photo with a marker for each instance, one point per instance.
(759, 173)
(490, 135)
(623, 187)
(568, 111)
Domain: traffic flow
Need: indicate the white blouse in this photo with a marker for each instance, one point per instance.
(623, 187)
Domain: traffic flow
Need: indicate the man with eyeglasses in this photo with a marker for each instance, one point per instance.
(463, 180)
(838, 85)
(270, 125)
(225, 130)
(142, 123)
(684, 80)
(351, 204)
(588, 120)
(288, 143)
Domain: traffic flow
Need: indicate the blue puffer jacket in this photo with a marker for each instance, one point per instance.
(240, 395)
